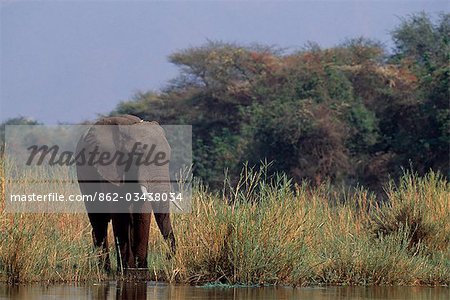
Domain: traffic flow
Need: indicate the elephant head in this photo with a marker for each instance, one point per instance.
(132, 152)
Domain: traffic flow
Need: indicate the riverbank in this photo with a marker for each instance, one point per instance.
(271, 234)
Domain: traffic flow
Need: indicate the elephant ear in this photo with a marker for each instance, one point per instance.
(106, 139)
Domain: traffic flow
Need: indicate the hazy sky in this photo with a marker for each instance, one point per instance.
(69, 61)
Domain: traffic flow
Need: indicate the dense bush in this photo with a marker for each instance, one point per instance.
(352, 113)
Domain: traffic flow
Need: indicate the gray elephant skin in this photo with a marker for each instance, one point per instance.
(130, 220)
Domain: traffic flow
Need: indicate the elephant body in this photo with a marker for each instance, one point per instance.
(130, 221)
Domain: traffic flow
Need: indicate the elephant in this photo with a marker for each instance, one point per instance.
(130, 220)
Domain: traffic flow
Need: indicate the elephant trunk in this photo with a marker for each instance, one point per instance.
(162, 216)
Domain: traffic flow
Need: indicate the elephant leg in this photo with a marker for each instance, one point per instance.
(122, 232)
(99, 223)
(140, 232)
(165, 226)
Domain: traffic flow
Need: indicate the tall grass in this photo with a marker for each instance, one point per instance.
(264, 230)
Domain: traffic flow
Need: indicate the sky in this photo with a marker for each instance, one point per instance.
(71, 61)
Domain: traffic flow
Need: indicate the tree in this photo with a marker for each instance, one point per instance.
(14, 121)
(351, 113)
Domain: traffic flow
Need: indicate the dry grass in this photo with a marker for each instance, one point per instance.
(263, 231)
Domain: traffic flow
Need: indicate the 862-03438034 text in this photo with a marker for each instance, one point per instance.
(100, 197)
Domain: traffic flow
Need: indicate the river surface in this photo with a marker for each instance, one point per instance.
(153, 290)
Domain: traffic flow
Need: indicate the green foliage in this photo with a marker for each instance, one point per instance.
(14, 121)
(351, 113)
(427, 42)
(422, 133)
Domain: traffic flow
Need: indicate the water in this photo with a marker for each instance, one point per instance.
(153, 290)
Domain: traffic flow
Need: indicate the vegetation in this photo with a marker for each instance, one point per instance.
(350, 114)
(353, 115)
(261, 231)
(13, 121)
